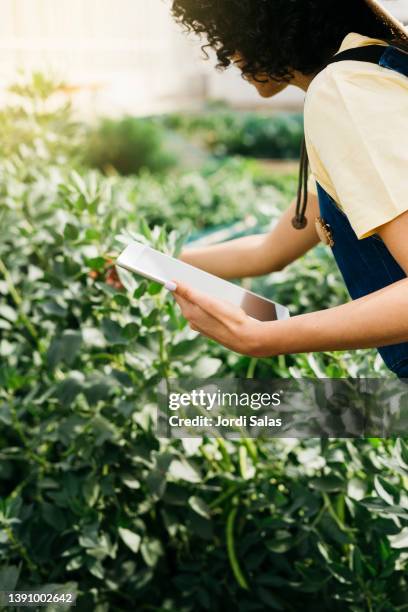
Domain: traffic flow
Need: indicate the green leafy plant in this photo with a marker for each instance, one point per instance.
(38, 124)
(91, 499)
(226, 132)
(127, 146)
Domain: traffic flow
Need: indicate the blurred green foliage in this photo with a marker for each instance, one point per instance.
(130, 145)
(38, 124)
(250, 134)
(127, 146)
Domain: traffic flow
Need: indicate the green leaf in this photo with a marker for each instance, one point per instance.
(64, 348)
(96, 568)
(145, 229)
(71, 232)
(151, 550)
(102, 430)
(327, 483)
(53, 516)
(156, 482)
(140, 290)
(131, 331)
(68, 390)
(378, 505)
(113, 332)
(131, 482)
(401, 451)
(79, 183)
(184, 470)
(206, 367)
(54, 309)
(71, 344)
(282, 542)
(96, 263)
(341, 572)
(154, 288)
(74, 563)
(356, 488)
(131, 539)
(10, 378)
(91, 491)
(98, 391)
(121, 300)
(152, 318)
(92, 235)
(9, 313)
(400, 540)
(388, 492)
(199, 506)
(9, 575)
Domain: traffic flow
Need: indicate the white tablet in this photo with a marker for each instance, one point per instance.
(161, 268)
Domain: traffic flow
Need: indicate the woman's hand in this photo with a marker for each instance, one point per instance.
(220, 321)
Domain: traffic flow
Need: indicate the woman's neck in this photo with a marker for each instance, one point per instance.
(302, 80)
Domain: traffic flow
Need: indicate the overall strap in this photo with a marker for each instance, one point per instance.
(369, 53)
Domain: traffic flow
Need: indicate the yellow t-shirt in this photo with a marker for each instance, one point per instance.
(356, 128)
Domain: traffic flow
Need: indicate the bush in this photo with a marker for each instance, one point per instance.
(248, 134)
(220, 193)
(38, 127)
(128, 146)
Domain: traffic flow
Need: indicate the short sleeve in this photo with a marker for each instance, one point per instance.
(356, 122)
(311, 185)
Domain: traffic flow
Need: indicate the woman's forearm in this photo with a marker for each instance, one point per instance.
(238, 258)
(378, 319)
(260, 254)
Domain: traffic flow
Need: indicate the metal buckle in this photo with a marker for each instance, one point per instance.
(324, 232)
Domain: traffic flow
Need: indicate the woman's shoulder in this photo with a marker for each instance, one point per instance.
(349, 83)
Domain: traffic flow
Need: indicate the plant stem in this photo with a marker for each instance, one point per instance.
(333, 514)
(35, 457)
(232, 556)
(252, 367)
(19, 548)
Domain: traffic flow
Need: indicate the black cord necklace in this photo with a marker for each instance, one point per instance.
(299, 221)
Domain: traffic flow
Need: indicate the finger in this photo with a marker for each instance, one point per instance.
(187, 308)
(181, 301)
(213, 330)
(199, 318)
(218, 309)
(210, 328)
(218, 329)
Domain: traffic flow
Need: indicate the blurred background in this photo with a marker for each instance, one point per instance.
(117, 56)
(123, 56)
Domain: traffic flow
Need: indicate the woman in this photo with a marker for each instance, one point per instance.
(350, 58)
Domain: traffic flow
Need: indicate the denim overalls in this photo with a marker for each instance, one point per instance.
(367, 265)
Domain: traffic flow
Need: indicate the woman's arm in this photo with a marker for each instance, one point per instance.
(378, 319)
(259, 254)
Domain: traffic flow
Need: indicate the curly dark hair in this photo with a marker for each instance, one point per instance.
(276, 37)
